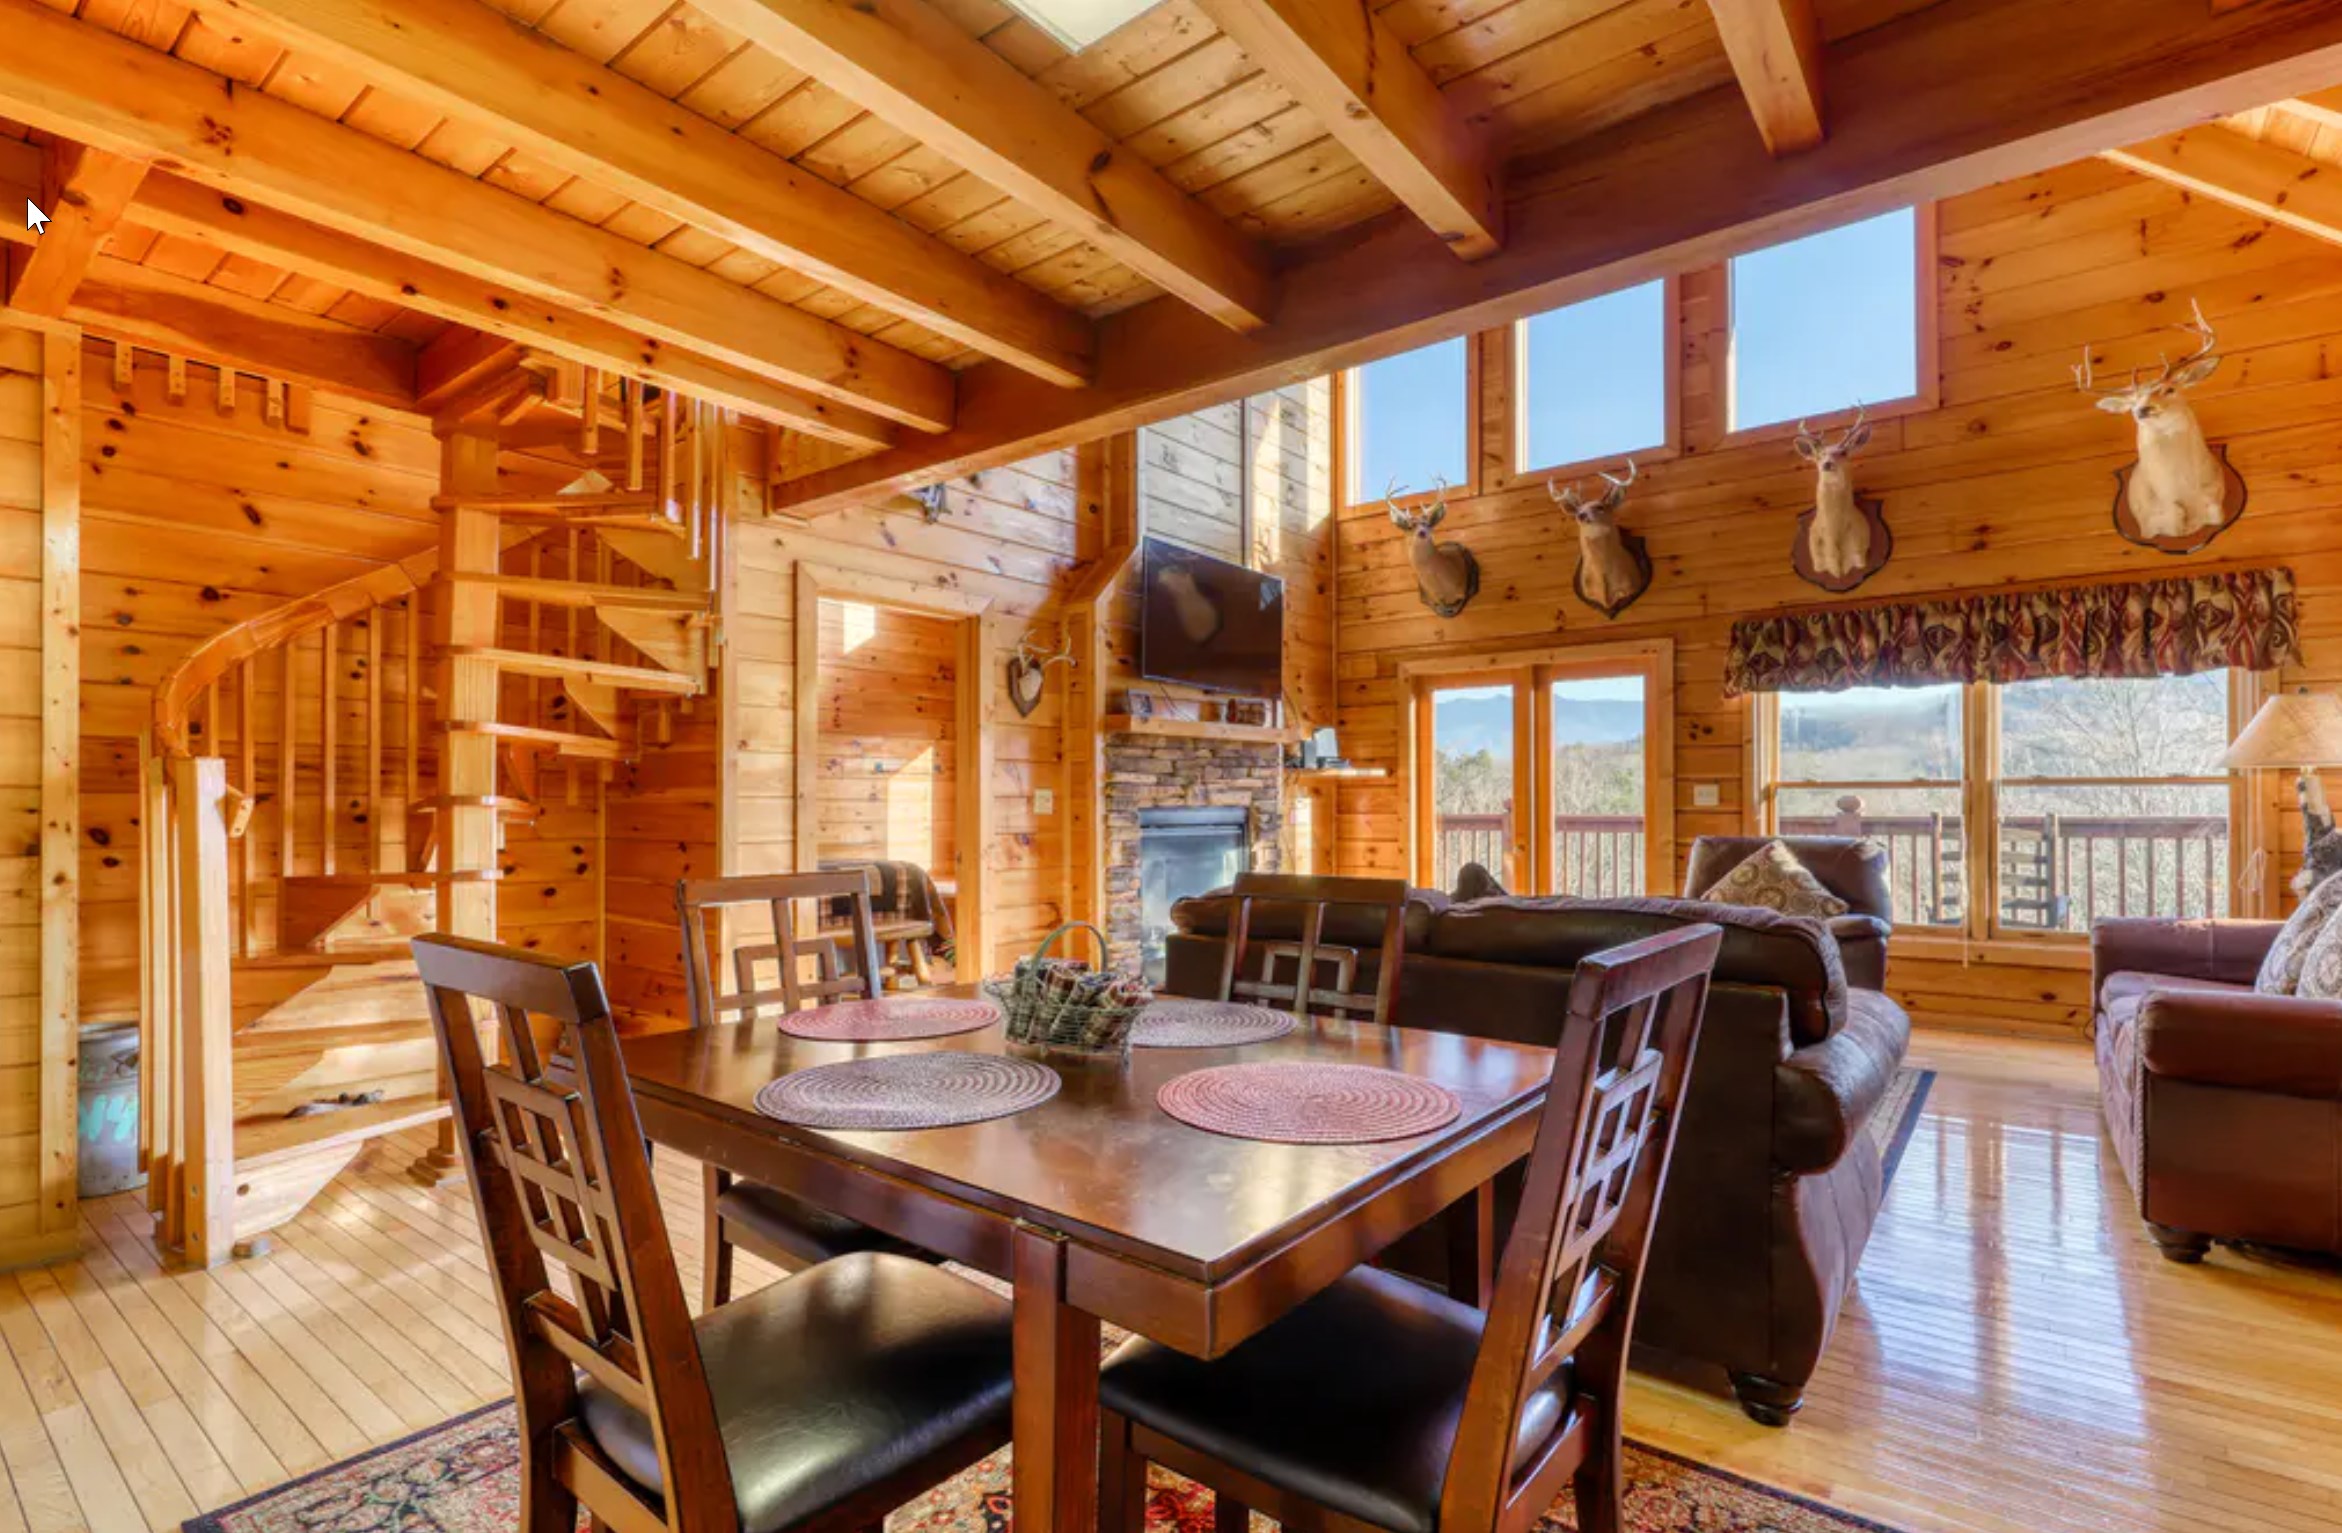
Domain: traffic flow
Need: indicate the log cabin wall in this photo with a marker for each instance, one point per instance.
(40, 430)
(2009, 480)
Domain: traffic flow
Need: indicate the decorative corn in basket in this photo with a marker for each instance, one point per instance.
(1062, 1006)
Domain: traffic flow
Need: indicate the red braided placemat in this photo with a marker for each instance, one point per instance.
(1295, 1102)
(1189, 1024)
(891, 1018)
(905, 1091)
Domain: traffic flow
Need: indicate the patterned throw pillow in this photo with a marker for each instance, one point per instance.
(2321, 966)
(1773, 879)
(2281, 969)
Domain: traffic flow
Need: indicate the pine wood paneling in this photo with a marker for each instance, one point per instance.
(195, 520)
(2009, 481)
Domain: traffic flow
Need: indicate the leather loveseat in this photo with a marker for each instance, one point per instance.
(2224, 1105)
(1774, 1183)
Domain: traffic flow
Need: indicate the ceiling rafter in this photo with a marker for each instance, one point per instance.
(464, 58)
(178, 206)
(1356, 77)
(1959, 95)
(2268, 181)
(915, 68)
(76, 80)
(84, 191)
(1776, 51)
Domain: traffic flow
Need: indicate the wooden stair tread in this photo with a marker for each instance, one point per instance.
(638, 678)
(558, 741)
(576, 593)
(260, 1141)
(393, 952)
(608, 500)
(358, 881)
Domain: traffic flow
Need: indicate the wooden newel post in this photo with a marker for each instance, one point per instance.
(469, 544)
(205, 1158)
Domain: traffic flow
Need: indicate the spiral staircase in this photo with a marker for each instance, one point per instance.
(334, 776)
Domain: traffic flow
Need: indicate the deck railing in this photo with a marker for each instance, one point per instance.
(1593, 854)
(2057, 872)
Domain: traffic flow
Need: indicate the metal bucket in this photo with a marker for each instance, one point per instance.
(109, 1110)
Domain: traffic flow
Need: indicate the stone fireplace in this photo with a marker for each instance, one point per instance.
(1182, 816)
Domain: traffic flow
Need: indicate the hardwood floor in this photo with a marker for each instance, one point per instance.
(2016, 1356)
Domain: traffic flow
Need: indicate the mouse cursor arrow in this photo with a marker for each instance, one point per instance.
(34, 218)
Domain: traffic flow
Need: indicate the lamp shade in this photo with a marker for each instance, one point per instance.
(2293, 729)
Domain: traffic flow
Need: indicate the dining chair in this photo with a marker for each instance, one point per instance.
(814, 1405)
(1314, 897)
(775, 1226)
(1382, 1404)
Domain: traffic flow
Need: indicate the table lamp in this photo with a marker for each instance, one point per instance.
(2302, 730)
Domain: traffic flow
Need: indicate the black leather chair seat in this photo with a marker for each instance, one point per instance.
(1352, 1400)
(830, 1381)
(809, 1234)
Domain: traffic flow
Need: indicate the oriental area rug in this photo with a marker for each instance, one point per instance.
(464, 1476)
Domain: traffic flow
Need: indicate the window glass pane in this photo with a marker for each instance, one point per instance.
(2071, 855)
(1597, 786)
(1410, 422)
(1871, 734)
(2163, 726)
(1825, 322)
(1919, 827)
(1594, 378)
(1472, 781)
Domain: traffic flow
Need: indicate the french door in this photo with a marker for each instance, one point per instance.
(1554, 772)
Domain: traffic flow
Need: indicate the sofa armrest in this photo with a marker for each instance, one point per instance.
(2223, 950)
(1862, 947)
(2281, 1044)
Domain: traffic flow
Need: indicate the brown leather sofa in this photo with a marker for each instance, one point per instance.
(2224, 1105)
(1774, 1184)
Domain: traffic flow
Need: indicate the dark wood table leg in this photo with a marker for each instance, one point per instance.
(1471, 1246)
(1054, 1474)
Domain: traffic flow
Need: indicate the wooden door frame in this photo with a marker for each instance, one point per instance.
(972, 744)
(1529, 669)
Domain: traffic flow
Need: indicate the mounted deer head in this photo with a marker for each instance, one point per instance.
(1447, 577)
(1612, 568)
(2179, 486)
(1028, 670)
(1838, 537)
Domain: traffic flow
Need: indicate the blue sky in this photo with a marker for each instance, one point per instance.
(1818, 325)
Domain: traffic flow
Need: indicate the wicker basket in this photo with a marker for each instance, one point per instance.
(1063, 1008)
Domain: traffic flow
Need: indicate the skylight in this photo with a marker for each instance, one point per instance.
(1079, 23)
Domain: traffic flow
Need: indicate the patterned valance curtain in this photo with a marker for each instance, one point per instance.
(2241, 618)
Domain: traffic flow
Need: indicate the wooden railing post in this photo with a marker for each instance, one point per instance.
(158, 988)
(206, 1136)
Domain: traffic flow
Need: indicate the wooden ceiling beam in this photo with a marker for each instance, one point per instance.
(84, 192)
(179, 206)
(1950, 98)
(467, 59)
(79, 81)
(1776, 51)
(2281, 185)
(172, 314)
(917, 69)
(2323, 107)
(1356, 76)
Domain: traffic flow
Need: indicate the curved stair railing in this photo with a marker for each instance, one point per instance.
(290, 810)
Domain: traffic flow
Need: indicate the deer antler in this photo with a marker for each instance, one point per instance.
(2198, 327)
(1617, 485)
(1565, 496)
(1846, 443)
(1038, 659)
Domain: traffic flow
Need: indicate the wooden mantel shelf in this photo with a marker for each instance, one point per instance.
(1338, 774)
(1202, 729)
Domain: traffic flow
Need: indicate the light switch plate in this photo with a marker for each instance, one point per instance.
(1044, 801)
(1704, 795)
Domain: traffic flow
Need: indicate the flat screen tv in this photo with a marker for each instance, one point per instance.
(1211, 624)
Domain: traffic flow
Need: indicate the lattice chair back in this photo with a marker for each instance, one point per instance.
(1555, 1344)
(845, 959)
(561, 1178)
(1324, 974)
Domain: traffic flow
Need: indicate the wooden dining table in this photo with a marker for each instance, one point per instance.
(1097, 1206)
